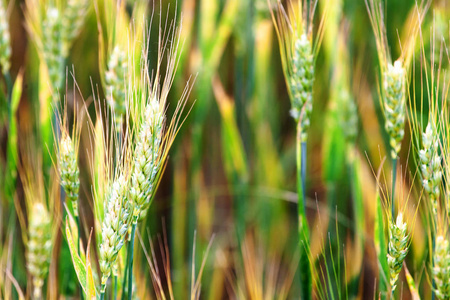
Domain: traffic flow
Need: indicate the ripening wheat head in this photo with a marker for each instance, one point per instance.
(298, 49)
(394, 74)
(430, 164)
(114, 227)
(66, 148)
(39, 246)
(154, 134)
(110, 166)
(38, 233)
(74, 16)
(398, 248)
(119, 53)
(51, 27)
(5, 39)
(431, 131)
(441, 267)
(342, 101)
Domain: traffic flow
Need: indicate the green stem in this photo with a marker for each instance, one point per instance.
(125, 275)
(130, 263)
(9, 87)
(303, 230)
(102, 292)
(115, 287)
(77, 220)
(394, 178)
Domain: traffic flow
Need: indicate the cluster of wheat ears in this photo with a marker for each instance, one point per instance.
(130, 134)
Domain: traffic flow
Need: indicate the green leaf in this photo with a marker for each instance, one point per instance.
(78, 264)
(354, 161)
(411, 284)
(11, 147)
(381, 247)
(90, 289)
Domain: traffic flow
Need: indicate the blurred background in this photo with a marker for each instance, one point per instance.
(231, 173)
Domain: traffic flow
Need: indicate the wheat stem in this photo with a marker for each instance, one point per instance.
(115, 287)
(303, 230)
(130, 263)
(125, 274)
(394, 180)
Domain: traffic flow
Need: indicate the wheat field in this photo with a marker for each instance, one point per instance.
(224, 149)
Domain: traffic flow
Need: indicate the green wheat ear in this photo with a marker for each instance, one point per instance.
(394, 104)
(68, 170)
(301, 83)
(348, 116)
(53, 50)
(398, 248)
(73, 20)
(147, 156)
(39, 246)
(441, 268)
(114, 227)
(115, 79)
(430, 165)
(5, 41)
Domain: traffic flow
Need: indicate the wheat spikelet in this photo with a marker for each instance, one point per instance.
(114, 227)
(68, 170)
(441, 268)
(53, 51)
(398, 248)
(430, 165)
(5, 40)
(146, 157)
(38, 246)
(115, 79)
(394, 104)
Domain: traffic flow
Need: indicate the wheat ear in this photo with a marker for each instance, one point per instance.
(115, 79)
(430, 165)
(301, 83)
(74, 16)
(394, 105)
(5, 41)
(39, 246)
(53, 47)
(68, 170)
(441, 268)
(114, 227)
(398, 248)
(146, 158)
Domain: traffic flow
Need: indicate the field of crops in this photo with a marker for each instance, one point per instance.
(224, 149)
